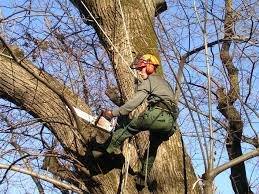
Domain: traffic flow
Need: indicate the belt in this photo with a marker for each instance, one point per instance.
(169, 107)
(166, 106)
(163, 105)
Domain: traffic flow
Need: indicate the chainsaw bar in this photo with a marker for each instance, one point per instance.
(97, 121)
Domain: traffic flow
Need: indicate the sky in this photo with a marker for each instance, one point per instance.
(222, 181)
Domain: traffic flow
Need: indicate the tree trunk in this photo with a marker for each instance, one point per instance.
(226, 107)
(127, 27)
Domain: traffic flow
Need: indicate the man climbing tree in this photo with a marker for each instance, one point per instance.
(158, 118)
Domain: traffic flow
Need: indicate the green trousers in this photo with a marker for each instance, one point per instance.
(159, 122)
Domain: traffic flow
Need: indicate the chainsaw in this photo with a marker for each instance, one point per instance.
(98, 121)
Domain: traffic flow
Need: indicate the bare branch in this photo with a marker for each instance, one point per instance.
(233, 162)
(43, 177)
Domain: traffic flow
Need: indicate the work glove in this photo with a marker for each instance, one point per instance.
(107, 114)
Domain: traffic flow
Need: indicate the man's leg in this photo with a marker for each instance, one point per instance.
(150, 155)
(118, 138)
(128, 129)
(148, 159)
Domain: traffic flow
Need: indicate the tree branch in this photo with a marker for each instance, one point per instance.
(43, 177)
(23, 89)
(213, 173)
(61, 95)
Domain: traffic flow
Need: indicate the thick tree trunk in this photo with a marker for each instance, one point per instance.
(126, 27)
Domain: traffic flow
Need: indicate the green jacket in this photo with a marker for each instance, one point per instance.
(154, 89)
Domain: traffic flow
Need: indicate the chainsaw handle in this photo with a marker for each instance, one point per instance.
(98, 118)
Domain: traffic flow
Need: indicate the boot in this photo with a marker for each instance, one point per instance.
(97, 154)
(140, 182)
(99, 149)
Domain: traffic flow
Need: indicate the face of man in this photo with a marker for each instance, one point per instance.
(142, 72)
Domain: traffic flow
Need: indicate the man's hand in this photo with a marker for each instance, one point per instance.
(107, 114)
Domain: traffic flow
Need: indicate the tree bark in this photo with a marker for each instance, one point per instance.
(127, 27)
(226, 107)
(23, 89)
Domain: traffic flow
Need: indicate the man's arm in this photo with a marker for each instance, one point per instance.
(130, 105)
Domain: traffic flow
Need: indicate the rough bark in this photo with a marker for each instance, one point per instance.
(20, 87)
(226, 106)
(140, 38)
(23, 89)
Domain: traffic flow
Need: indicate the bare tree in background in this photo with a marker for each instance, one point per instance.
(57, 57)
(207, 19)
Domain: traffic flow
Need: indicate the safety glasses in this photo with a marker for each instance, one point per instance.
(139, 64)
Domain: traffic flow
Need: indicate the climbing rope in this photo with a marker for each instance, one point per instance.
(195, 183)
(126, 30)
(126, 168)
(147, 163)
(109, 40)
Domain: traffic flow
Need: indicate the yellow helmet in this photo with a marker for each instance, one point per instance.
(148, 61)
(151, 59)
(144, 60)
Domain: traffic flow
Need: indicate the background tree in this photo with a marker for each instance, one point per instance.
(71, 68)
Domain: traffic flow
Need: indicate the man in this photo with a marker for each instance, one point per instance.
(158, 118)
